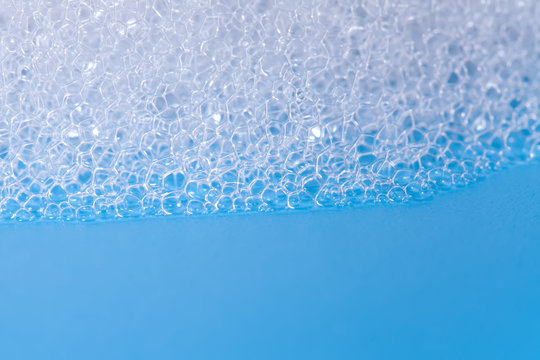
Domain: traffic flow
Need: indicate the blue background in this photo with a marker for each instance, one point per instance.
(456, 277)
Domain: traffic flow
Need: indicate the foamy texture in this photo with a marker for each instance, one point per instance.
(130, 108)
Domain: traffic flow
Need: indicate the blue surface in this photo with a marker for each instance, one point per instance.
(457, 277)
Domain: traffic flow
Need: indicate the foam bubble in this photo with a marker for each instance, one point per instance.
(132, 108)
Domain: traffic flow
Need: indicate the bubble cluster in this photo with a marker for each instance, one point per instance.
(118, 108)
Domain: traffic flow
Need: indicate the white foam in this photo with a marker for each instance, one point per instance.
(130, 108)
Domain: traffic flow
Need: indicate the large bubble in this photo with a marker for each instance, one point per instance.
(142, 108)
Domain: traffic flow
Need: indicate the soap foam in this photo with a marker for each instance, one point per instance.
(142, 108)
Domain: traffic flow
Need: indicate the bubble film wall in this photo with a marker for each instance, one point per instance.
(142, 108)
